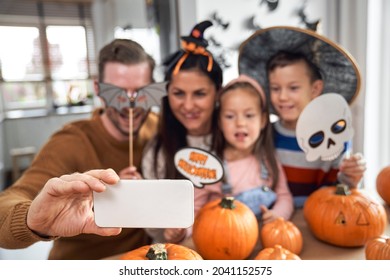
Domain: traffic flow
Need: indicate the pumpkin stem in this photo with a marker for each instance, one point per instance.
(342, 189)
(157, 252)
(227, 202)
(278, 252)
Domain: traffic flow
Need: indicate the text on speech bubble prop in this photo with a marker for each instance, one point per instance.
(199, 166)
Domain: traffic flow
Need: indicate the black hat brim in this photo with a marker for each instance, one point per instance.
(198, 41)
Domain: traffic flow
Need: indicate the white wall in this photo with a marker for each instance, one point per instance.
(238, 14)
(34, 132)
(109, 14)
(103, 22)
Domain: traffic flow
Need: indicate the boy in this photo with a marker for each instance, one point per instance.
(297, 66)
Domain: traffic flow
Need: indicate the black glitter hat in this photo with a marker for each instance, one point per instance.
(338, 68)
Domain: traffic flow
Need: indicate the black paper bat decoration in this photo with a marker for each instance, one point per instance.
(222, 60)
(271, 4)
(219, 21)
(214, 42)
(145, 97)
(250, 23)
(309, 25)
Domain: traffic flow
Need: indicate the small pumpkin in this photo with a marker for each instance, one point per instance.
(276, 252)
(378, 248)
(225, 229)
(383, 184)
(343, 217)
(160, 251)
(283, 233)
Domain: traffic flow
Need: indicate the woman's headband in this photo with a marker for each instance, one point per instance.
(192, 44)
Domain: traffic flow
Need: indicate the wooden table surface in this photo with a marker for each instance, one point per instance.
(313, 249)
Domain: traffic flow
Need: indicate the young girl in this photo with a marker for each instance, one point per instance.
(244, 142)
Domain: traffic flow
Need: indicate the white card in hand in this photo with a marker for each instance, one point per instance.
(146, 204)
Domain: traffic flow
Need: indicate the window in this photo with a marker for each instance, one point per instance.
(69, 67)
(19, 61)
(19, 55)
(47, 60)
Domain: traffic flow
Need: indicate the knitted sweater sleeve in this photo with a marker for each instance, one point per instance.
(16, 199)
(14, 233)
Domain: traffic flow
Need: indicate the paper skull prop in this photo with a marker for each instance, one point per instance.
(324, 127)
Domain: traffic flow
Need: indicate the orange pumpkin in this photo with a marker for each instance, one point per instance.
(343, 217)
(378, 248)
(158, 251)
(225, 229)
(283, 233)
(383, 184)
(276, 253)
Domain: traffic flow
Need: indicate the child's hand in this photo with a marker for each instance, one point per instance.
(267, 215)
(130, 173)
(174, 235)
(352, 169)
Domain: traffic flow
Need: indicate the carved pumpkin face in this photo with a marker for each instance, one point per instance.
(344, 219)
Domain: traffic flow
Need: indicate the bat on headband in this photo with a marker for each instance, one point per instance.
(145, 97)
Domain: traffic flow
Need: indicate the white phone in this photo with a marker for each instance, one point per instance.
(145, 204)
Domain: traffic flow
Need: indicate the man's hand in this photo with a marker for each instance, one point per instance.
(64, 207)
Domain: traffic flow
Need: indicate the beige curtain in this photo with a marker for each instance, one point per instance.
(377, 101)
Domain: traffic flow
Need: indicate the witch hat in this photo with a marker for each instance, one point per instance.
(194, 44)
(338, 68)
(196, 35)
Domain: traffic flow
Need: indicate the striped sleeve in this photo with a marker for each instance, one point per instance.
(303, 176)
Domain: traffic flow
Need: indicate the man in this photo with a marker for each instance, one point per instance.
(53, 198)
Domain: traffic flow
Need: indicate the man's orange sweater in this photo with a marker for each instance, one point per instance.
(78, 147)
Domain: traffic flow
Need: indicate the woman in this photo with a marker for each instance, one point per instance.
(188, 114)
